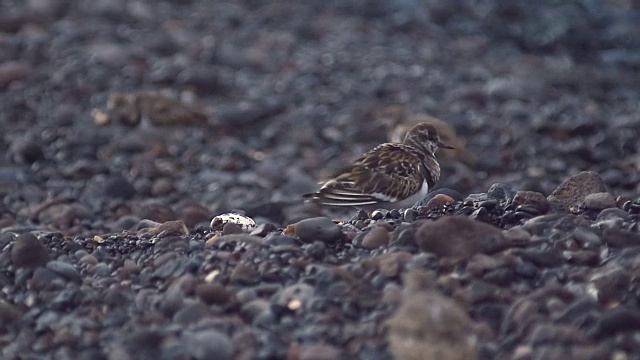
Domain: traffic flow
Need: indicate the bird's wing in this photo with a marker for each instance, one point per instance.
(388, 173)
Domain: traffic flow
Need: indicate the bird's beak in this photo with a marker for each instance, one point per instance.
(443, 145)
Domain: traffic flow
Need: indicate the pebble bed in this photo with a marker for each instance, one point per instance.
(528, 251)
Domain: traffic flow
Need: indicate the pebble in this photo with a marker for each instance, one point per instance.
(213, 294)
(439, 201)
(377, 237)
(65, 270)
(315, 352)
(533, 199)
(209, 345)
(571, 193)
(8, 314)
(318, 228)
(459, 237)
(599, 201)
(119, 187)
(441, 330)
(620, 238)
(28, 251)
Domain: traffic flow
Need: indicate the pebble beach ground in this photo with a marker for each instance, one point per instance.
(527, 250)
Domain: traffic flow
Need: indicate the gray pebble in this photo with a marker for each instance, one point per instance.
(65, 270)
(318, 228)
(210, 345)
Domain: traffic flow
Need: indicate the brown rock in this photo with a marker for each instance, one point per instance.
(429, 326)
(532, 198)
(391, 264)
(375, 238)
(439, 201)
(572, 192)
(459, 237)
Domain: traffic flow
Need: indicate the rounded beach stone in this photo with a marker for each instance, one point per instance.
(28, 251)
(318, 228)
(459, 237)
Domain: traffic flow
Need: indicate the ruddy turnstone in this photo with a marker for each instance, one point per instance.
(391, 175)
(398, 120)
(148, 109)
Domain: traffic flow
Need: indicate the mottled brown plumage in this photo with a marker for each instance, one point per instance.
(389, 175)
(152, 110)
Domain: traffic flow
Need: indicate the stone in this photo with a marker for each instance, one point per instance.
(459, 237)
(599, 201)
(318, 228)
(571, 193)
(429, 326)
(533, 199)
(377, 237)
(28, 251)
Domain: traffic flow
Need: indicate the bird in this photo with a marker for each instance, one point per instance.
(389, 176)
(148, 109)
(398, 120)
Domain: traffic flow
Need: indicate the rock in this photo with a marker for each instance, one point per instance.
(459, 237)
(315, 352)
(620, 238)
(28, 251)
(569, 195)
(377, 237)
(439, 201)
(533, 199)
(65, 270)
(213, 294)
(13, 71)
(8, 314)
(318, 228)
(119, 187)
(192, 313)
(26, 151)
(441, 330)
(209, 345)
(500, 191)
(599, 201)
(453, 194)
